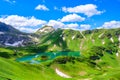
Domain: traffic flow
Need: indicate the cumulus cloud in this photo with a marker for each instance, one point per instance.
(85, 27)
(41, 7)
(10, 1)
(72, 25)
(21, 22)
(28, 30)
(87, 9)
(72, 18)
(31, 24)
(75, 26)
(110, 24)
(56, 24)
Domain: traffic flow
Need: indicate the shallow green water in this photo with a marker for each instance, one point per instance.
(49, 55)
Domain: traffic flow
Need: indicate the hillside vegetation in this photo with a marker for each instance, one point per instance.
(99, 56)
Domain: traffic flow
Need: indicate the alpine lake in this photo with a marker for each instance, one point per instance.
(46, 56)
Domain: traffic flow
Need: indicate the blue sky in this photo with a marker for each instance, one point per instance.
(30, 15)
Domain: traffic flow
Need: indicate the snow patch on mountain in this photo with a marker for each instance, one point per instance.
(36, 39)
(15, 44)
(63, 38)
(54, 45)
(112, 40)
(73, 37)
(117, 54)
(119, 38)
(100, 35)
(1, 32)
(61, 35)
(82, 35)
(103, 42)
(62, 74)
(45, 29)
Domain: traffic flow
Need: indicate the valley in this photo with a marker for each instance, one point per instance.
(61, 54)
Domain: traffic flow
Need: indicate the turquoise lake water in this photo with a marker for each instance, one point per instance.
(50, 55)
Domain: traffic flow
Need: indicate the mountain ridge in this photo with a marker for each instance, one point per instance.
(9, 36)
(99, 51)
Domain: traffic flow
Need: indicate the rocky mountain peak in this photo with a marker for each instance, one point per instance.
(45, 29)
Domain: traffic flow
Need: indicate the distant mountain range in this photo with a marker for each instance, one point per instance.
(49, 39)
(10, 36)
(99, 51)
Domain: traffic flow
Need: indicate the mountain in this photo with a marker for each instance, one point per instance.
(45, 29)
(67, 39)
(7, 28)
(10, 36)
(99, 51)
(49, 39)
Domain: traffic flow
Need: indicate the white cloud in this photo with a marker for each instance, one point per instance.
(31, 24)
(20, 22)
(28, 30)
(72, 18)
(10, 1)
(72, 25)
(41, 7)
(88, 9)
(85, 27)
(110, 24)
(56, 24)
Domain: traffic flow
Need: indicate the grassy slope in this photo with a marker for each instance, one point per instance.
(102, 69)
(76, 41)
(107, 68)
(20, 71)
(86, 43)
